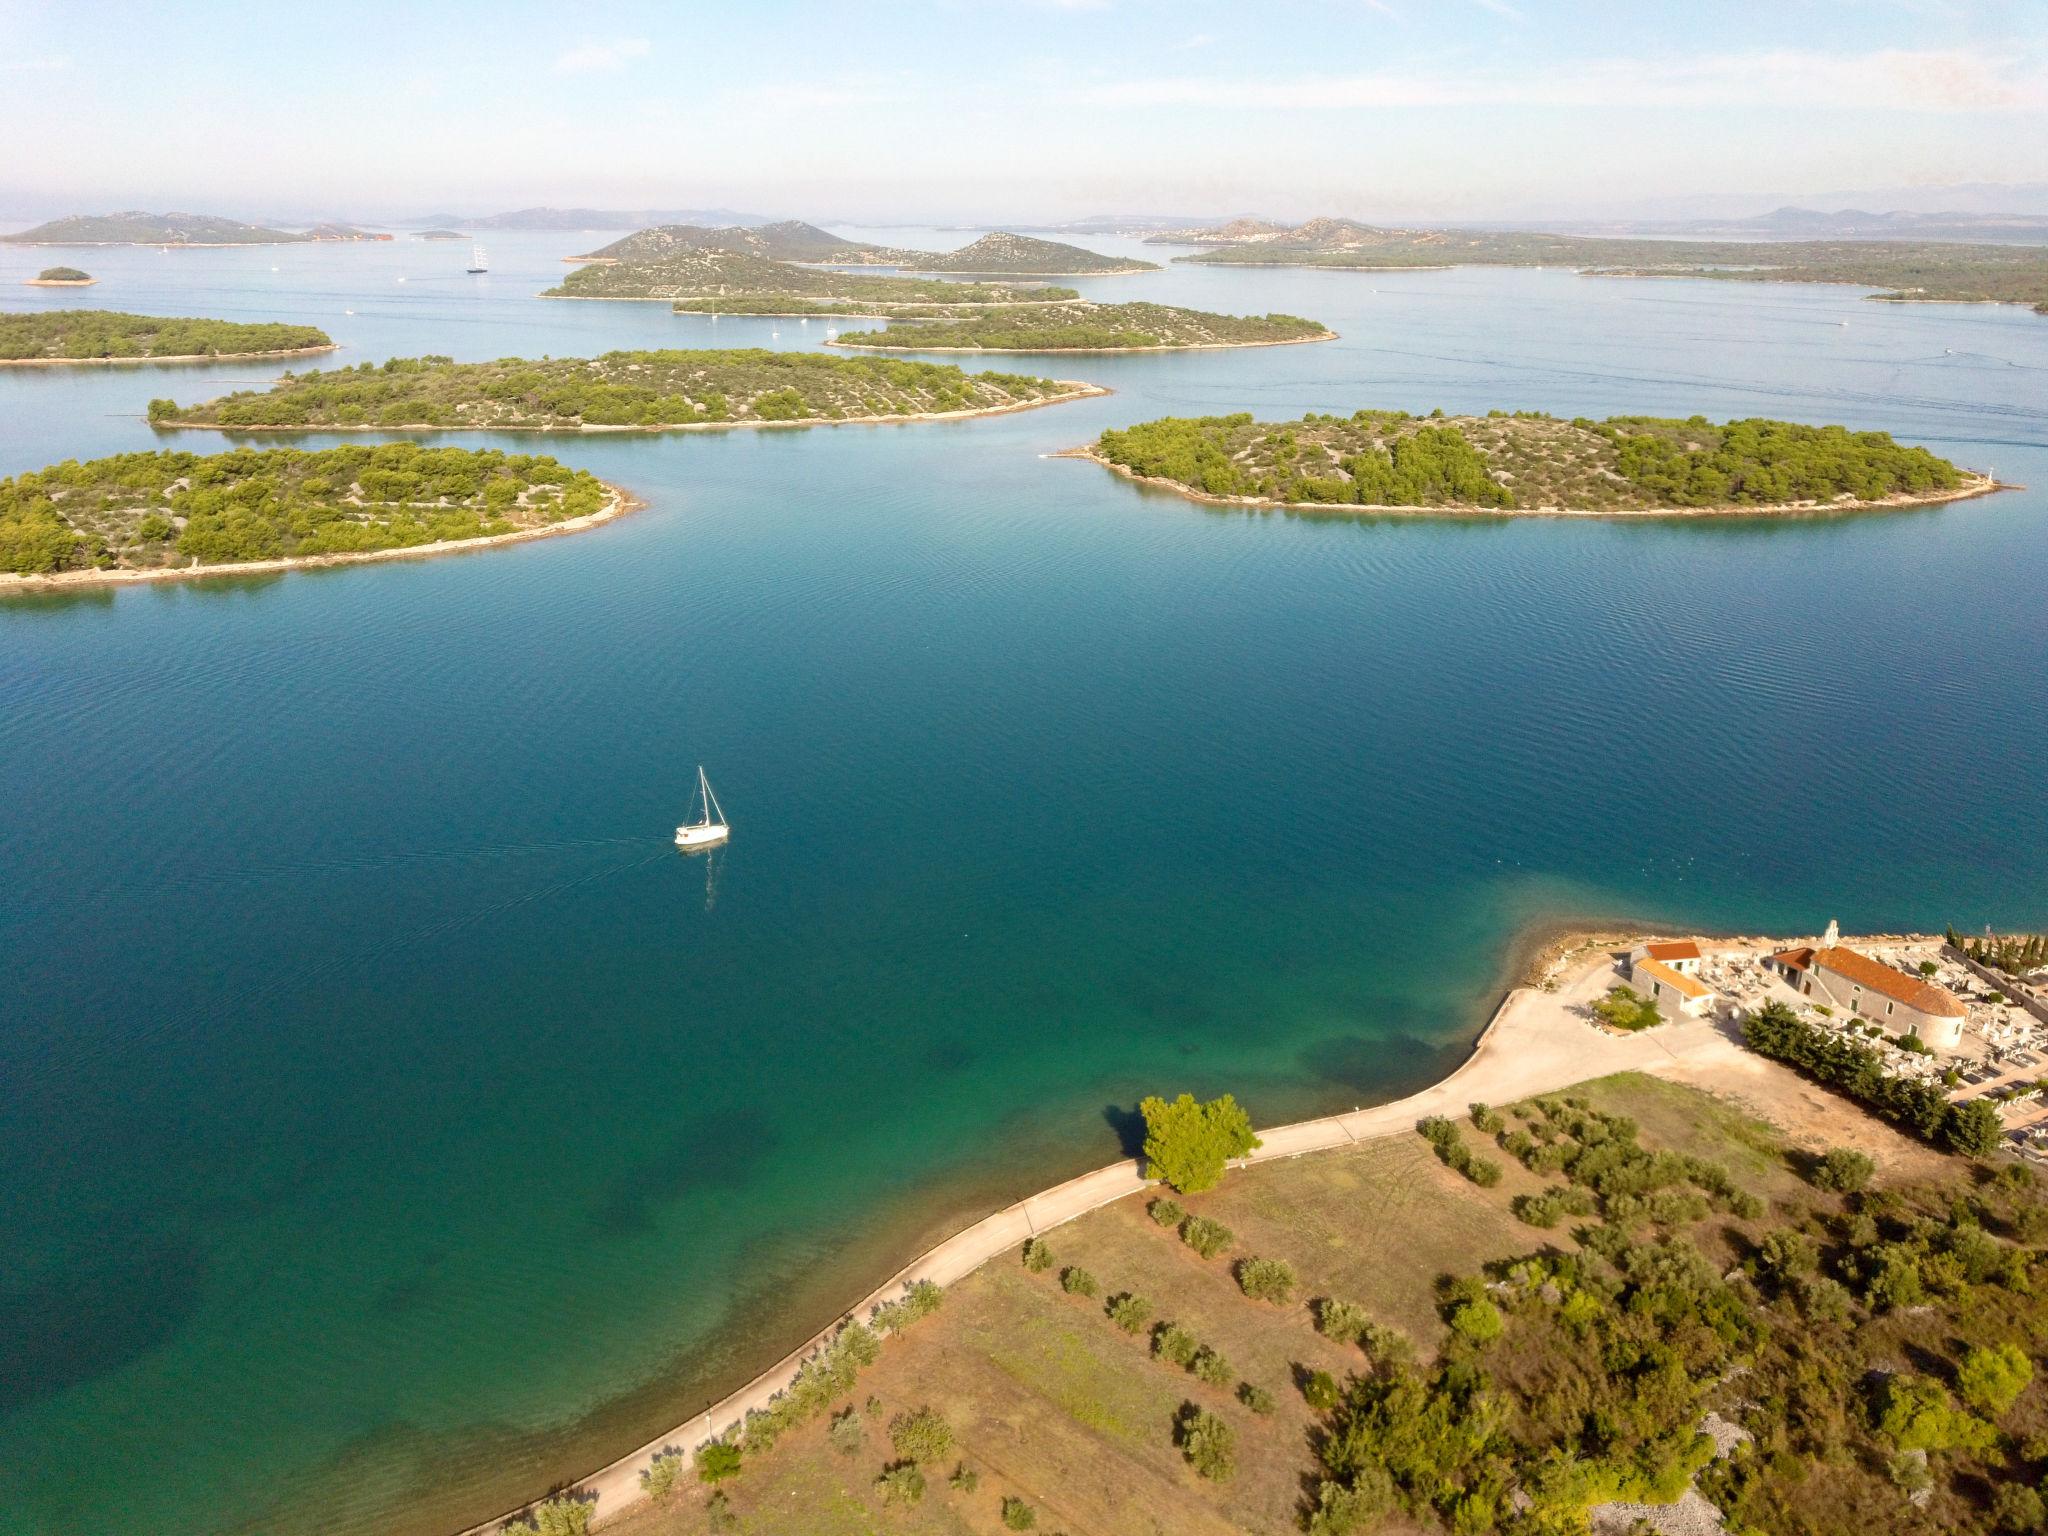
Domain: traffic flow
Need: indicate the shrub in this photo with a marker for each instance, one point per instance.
(1487, 1121)
(1319, 1391)
(1918, 1415)
(1340, 1320)
(1211, 1367)
(1624, 1008)
(964, 1479)
(1536, 1210)
(1842, 1170)
(717, 1461)
(562, 1516)
(1991, 1379)
(1206, 1237)
(847, 1431)
(1167, 1213)
(1173, 1343)
(1345, 1509)
(1076, 1281)
(1209, 1444)
(719, 1513)
(1037, 1255)
(1130, 1313)
(902, 1483)
(2017, 1510)
(1478, 1320)
(1256, 1398)
(1018, 1516)
(920, 1299)
(922, 1435)
(660, 1476)
(1188, 1144)
(1266, 1280)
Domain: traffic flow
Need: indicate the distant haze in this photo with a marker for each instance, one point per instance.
(1029, 110)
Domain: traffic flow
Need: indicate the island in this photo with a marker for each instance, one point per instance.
(1903, 270)
(1001, 254)
(60, 277)
(156, 516)
(1736, 1263)
(787, 240)
(1087, 327)
(1529, 463)
(58, 336)
(620, 392)
(998, 254)
(138, 228)
(730, 282)
(442, 234)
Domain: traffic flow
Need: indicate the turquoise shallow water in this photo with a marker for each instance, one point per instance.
(395, 1124)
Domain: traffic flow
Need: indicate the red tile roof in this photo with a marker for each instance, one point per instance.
(1793, 959)
(1678, 981)
(1876, 976)
(1673, 949)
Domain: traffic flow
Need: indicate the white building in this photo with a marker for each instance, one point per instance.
(1673, 991)
(1847, 978)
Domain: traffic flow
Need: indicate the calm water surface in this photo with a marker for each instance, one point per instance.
(393, 1123)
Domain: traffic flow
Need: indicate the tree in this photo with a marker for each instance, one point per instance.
(1843, 1169)
(902, 1483)
(1018, 1516)
(1973, 1129)
(1624, 1008)
(1919, 1416)
(1992, 1378)
(1209, 1444)
(1188, 1143)
(1266, 1279)
(1478, 1320)
(923, 1435)
(717, 1461)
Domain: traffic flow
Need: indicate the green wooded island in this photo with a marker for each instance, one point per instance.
(1087, 327)
(138, 228)
(1904, 271)
(1532, 463)
(187, 512)
(730, 282)
(620, 391)
(61, 277)
(110, 336)
(999, 254)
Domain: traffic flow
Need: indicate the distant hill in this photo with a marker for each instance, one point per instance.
(137, 228)
(333, 231)
(741, 282)
(597, 218)
(1859, 224)
(789, 240)
(1002, 254)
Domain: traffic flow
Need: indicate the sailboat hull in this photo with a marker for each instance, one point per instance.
(701, 837)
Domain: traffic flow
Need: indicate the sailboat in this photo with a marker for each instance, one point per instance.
(476, 259)
(712, 830)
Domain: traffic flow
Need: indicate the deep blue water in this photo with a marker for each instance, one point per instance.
(387, 1104)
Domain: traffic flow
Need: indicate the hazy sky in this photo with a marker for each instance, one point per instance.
(1009, 108)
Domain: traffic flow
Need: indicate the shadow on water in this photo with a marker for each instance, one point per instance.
(96, 1318)
(1129, 1126)
(720, 1150)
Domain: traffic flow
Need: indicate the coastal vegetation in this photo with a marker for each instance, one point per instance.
(143, 511)
(1087, 327)
(738, 283)
(2016, 954)
(1901, 269)
(138, 228)
(1003, 254)
(1188, 1143)
(100, 335)
(646, 390)
(1717, 1318)
(1525, 461)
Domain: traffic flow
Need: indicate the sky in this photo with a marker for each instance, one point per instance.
(960, 110)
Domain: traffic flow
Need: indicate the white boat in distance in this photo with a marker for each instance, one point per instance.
(712, 830)
(477, 263)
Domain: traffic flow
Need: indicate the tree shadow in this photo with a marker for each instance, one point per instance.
(1129, 1126)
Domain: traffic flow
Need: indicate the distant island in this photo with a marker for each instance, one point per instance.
(1530, 463)
(620, 391)
(565, 219)
(1087, 327)
(60, 277)
(1905, 271)
(135, 228)
(791, 240)
(442, 234)
(109, 336)
(731, 282)
(141, 516)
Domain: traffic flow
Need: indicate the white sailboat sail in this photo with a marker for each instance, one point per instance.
(710, 829)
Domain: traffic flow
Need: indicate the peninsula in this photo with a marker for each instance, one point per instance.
(620, 391)
(1903, 270)
(998, 254)
(1726, 1256)
(1527, 463)
(1087, 327)
(153, 516)
(54, 336)
(736, 282)
(138, 228)
(60, 277)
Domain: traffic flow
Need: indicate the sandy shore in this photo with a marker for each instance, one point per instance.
(58, 282)
(621, 502)
(1537, 1041)
(1075, 390)
(1973, 485)
(140, 362)
(1185, 346)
